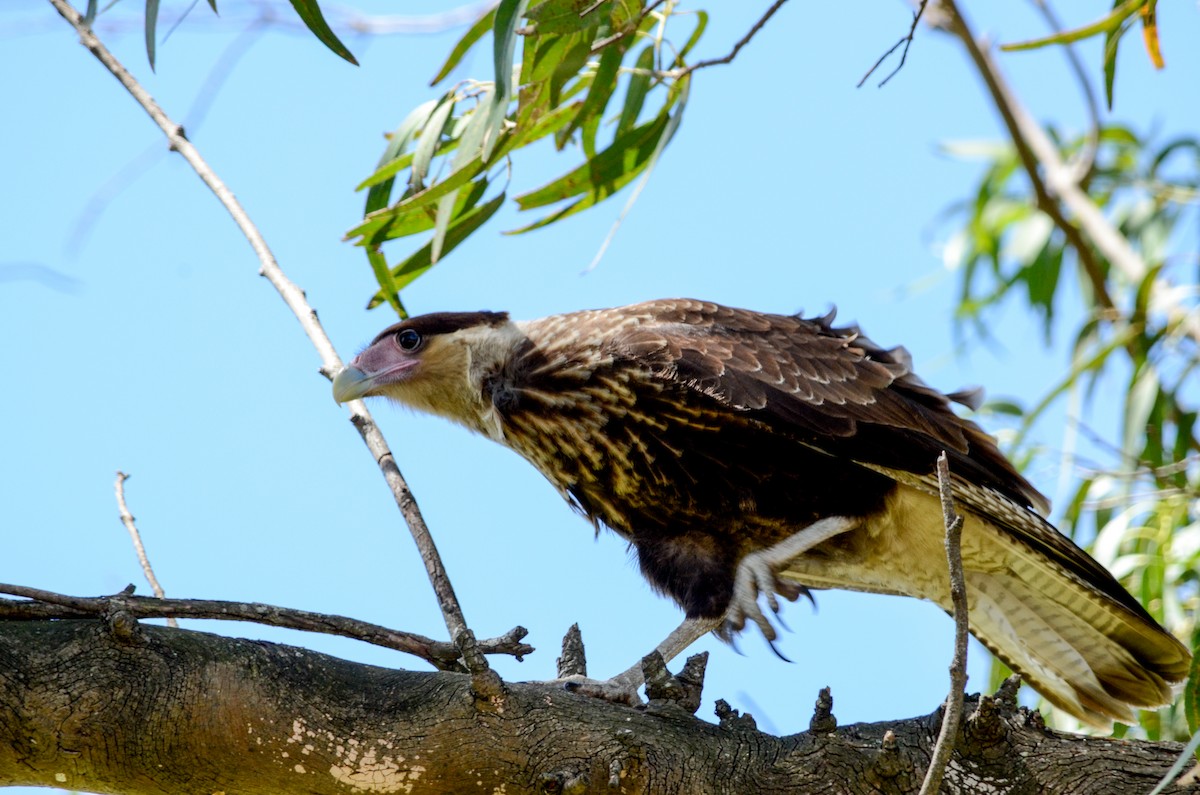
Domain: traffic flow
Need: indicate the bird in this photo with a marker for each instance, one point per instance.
(744, 454)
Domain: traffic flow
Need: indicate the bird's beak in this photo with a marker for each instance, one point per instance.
(351, 384)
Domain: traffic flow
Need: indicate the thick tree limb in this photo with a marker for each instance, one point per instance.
(154, 710)
(294, 297)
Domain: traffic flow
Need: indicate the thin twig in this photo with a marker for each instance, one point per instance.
(136, 537)
(742, 42)
(1087, 158)
(294, 297)
(906, 41)
(440, 654)
(952, 715)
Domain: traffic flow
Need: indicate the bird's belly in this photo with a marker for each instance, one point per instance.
(899, 550)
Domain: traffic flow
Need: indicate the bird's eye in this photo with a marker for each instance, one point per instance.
(409, 339)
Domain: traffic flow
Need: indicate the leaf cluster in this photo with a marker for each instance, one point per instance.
(1135, 349)
(1113, 26)
(599, 77)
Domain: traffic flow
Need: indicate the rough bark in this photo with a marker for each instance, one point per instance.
(126, 708)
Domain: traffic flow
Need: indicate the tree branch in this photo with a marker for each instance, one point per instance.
(1054, 181)
(441, 655)
(906, 41)
(742, 42)
(294, 297)
(158, 710)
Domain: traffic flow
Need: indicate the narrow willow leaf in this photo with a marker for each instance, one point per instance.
(431, 134)
(1191, 696)
(414, 220)
(668, 133)
(473, 34)
(90, 15)
(602, 171)
(311, 14)
(1143, 394)
(1112, 40)
(213, 5)
(603, 84)
(381, 181)
(635, 91)
(151, 26)
(694, 39)
(387, 284)
(508, 16)
(562, 16)
(379, 219)
(1112, 21)
(472, 139)
(1150, 34)
(421, 261)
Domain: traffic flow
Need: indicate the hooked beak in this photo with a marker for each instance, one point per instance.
(351, 384)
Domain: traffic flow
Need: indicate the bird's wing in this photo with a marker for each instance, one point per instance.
(839, 392)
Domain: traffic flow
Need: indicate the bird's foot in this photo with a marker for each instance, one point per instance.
(760, 572)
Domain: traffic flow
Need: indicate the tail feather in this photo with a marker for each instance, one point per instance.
(1077, 667)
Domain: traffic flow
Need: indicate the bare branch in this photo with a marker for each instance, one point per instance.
(952, 716)
(441, 655)
(136, 537)
(742, 42)
(906, 41)
(294, 297)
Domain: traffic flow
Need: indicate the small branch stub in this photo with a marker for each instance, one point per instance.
(823, 721)
(573, 661)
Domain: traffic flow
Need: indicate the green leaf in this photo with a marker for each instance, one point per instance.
(1112, 40)
(310, 13)
(603, 84)
(213, 4)
(694, 39)
(1192, 695)
(504, 31)
(151, 26)
(473, 34)
(383, 274)
(414, 220)
(635, 91)
(381, 186)
(431, 134)
(421, 261)
(605, 170)
(1121, 11)
(377, 220)
(563, 16)
(1143, 395)
(90, 15)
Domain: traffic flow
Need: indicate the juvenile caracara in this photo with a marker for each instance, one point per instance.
(740, 452)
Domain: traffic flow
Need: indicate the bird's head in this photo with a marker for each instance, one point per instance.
(434, 363)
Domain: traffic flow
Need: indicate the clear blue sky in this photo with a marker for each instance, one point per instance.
(150, 345)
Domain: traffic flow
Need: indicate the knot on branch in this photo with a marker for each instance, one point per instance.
(985, 725)
(563, 782)
(823, 721)
(486, 685)
(683, 691)
(893, 766)
(119, 618)
(729, 719)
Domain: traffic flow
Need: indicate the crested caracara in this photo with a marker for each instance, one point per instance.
(742, 453)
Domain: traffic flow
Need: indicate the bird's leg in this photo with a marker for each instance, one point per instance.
(623, 687)
(758, 573)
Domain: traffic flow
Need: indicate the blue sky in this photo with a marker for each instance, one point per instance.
(150, 345)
